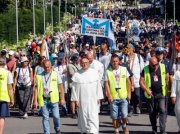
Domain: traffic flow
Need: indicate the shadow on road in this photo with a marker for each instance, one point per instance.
(69, 124)
(133, 124)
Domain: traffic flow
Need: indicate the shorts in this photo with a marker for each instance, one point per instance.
(118, 108)
(4, 109)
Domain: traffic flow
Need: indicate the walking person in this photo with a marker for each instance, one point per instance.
(153, 81)
(6, 93)
(72, 68)
(175, 96)
(47, 93)
(117, 86)
(22, 86)
(62, 72)
(136, 64)
(87, 93)
(11, 63)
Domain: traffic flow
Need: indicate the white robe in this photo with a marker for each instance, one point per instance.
(87, 90)
(175, 92)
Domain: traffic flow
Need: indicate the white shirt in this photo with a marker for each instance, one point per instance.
(60, 70)
(105, 59)
(24, 76)
(136, 68)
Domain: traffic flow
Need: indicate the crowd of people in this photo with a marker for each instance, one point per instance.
(77, 73)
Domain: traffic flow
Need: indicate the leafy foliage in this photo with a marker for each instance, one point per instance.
(25, 18)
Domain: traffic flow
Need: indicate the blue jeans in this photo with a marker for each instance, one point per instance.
(54, 107)
(118, 108)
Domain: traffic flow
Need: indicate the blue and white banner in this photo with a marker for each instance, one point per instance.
(95, 27)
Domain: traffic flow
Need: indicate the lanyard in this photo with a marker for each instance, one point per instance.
(46, 80)
(117, 77)
(24, 72)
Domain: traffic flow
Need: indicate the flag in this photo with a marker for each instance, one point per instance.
(44, 49)
(173, 49)
(111, 39)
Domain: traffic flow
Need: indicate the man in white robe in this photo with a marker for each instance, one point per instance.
(175, 95)
(87, 92)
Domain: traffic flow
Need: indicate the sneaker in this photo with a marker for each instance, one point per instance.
(58, 132)
(125, 130)
(138, 111)
(64, 114)
(74, 116)
(130, 113)
(25, 116)
(154, 132)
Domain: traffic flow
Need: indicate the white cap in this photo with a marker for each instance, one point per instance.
(23, 59)
(87, 45)
(39, 42)
(16, 54)
(54, 55)
(72, 43)
(178, 55)
(11, 52)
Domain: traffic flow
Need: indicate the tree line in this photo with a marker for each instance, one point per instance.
(25, 17)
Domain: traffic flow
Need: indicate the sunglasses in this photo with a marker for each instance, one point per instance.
(155, 65)
(22, 55)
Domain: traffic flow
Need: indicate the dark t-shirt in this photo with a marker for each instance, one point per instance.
(156, 82)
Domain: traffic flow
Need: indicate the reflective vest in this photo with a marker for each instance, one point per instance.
(147, 79)
(4, 94)
(54, 95)
(122, 92)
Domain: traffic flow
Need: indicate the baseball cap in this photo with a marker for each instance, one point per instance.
(11, 52)
(16, 54)
(23, 59)
(54, 55)
(75, 58)
(159, 50)
(72, 43)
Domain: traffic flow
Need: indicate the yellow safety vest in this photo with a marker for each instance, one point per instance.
(147, 79)
(54, 95)
(4, 94)
(122, 92)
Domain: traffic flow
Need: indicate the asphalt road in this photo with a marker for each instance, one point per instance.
(33, 125)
